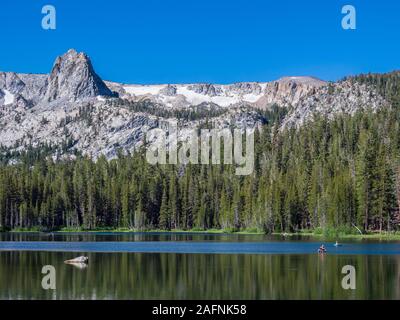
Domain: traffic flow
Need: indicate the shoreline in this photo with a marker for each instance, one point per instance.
(306, 233)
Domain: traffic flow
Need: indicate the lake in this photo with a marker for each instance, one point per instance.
(194, 266)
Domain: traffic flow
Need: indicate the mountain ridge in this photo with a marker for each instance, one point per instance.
(73, 104)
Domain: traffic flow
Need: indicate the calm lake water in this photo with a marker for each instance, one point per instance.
(194, 266)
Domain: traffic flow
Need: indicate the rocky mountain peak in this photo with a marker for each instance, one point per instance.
(74, 78)
(302, 80)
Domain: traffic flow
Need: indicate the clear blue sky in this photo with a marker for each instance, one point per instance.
(222, 41)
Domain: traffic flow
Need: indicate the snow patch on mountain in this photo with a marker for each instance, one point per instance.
(140, 90)
(194, 94)
(8, 97)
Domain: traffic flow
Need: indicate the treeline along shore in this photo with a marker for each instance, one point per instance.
(341, 174)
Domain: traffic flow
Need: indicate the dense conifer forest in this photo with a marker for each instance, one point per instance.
(337, 173)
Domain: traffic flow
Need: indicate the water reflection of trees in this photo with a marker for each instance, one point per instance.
(198, 276)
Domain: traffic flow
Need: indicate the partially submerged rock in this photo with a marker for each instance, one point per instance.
(81, 259)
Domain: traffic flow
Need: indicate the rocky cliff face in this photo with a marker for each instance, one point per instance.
(72, 109)
(290, 90)
(329, 100)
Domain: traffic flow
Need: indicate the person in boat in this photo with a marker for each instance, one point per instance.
(322, 249)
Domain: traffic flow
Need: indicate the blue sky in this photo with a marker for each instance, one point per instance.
(178, 41)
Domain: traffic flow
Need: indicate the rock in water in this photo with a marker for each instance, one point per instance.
(74, 78)
(81, 259)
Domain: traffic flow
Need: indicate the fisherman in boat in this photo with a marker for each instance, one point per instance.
(322, 249)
